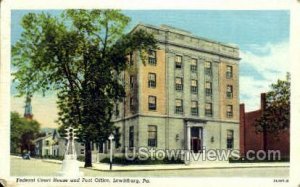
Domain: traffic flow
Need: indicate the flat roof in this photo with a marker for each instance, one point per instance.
(169, 28)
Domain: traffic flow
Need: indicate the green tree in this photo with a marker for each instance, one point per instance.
(276, 114)
(78, 55)
(23, 132)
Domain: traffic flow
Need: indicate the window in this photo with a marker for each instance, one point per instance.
(152, 135)
(47, 143)
(152, 57)
(131, 137)
(194, 86)
(194, 65)
(82, 151)
(229, 139)
(179, 107)
(131, 81)
(228, 72)
(208, 69)
(131, 103)
(178, 62)
(151, 80)
(229, 111)
(178, 84)
(208, 109)
(208, 88)
(229, 91)
(152, 103)
(131, 59)
(117, 137)
(194, 108)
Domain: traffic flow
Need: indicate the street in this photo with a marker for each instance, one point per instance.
(36, 167)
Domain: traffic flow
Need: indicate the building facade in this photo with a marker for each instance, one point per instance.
(183, 95)
(52, 144)
(250, 140)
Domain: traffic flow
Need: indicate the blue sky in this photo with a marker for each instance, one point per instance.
(263, 38)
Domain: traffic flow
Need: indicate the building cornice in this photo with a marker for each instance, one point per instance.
(166, 42)
(185, 33)
(177, 117)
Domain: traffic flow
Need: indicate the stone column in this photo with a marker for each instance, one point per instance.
(188, 138)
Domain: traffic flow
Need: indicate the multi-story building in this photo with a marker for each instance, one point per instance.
(183, 95)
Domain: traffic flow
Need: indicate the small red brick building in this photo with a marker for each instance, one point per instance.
(251, 140)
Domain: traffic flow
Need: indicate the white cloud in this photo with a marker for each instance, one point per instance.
(271, 62)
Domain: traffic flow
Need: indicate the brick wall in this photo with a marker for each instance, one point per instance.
(251, 140)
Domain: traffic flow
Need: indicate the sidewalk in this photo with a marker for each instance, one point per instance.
(105, 167)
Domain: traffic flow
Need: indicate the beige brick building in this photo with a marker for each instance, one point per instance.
(185, 95)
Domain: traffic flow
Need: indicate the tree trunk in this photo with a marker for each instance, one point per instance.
(265, 139)
(88, 154)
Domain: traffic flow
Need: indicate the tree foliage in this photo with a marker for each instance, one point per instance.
(276, 114)
(78, 55)
(23, 132)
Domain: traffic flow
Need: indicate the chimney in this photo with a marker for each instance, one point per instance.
(263, 101)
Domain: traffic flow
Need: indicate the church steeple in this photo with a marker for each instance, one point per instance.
(28, 108)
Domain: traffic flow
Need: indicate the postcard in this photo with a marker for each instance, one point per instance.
(118, 96)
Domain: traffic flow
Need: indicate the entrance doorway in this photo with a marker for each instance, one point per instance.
(196, 139)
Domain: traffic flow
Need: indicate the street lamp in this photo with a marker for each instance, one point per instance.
(111, 137)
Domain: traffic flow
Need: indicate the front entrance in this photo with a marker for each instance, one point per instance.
(196, 139)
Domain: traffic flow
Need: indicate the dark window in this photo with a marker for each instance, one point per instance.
(194, 108)
(152, 57)
(229, 111)
(152, 136)
(179, 84)
(208, 88)
(229, 91)
(151, 80)
(229, 72)
(208, 109)
(131, 59)
(194, 86)
(229, 139)
(131, 81)
(152, 103)
(178, 62)
(117, 137)
(194, 65)
(208, 69)
(47, 143)
(82, 151)
(132, 104)
(179, 106)
(131, 137)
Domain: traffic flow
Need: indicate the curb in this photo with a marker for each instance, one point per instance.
(184, 167)
(189, 168)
